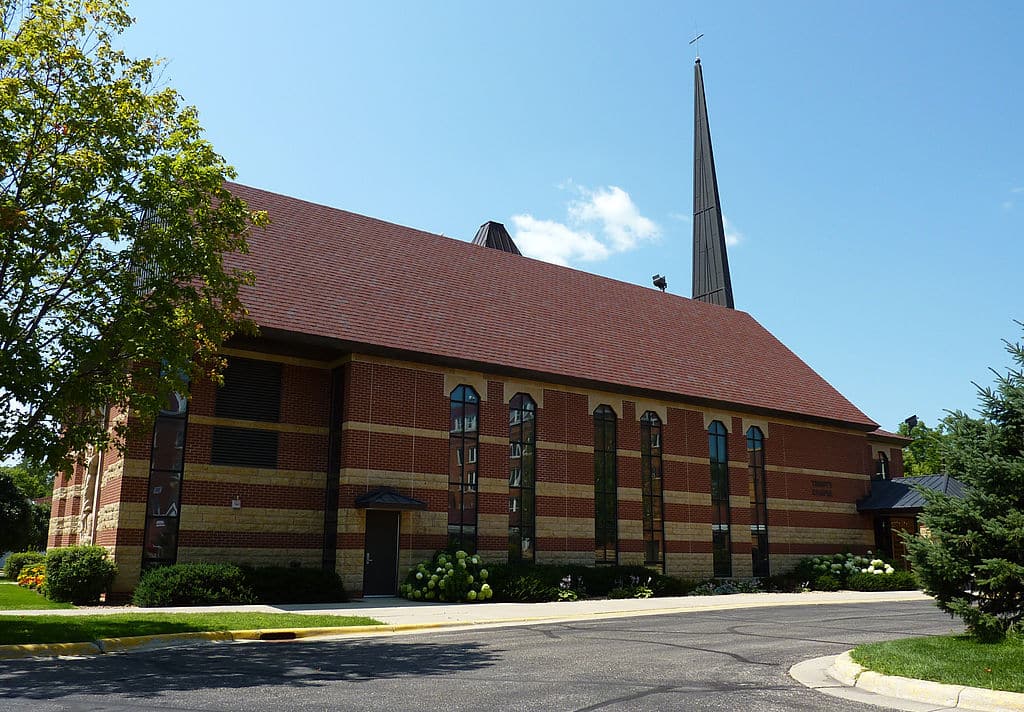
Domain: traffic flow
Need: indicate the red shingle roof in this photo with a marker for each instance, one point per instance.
(355, 279)
(880, 434)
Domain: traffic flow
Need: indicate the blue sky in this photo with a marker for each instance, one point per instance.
(869, 155)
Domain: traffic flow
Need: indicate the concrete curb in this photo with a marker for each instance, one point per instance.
(849, 673)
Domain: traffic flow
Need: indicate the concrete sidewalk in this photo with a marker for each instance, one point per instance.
(399, 611)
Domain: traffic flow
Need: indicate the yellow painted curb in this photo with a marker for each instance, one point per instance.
(120, 645)
(47, 650)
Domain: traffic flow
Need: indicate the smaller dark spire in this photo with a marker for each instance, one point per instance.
(494, 235)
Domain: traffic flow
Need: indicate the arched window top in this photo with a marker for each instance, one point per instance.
(604, 412)
(650, 417)
(465, 394)
(465, 407)
(521, 408)
(755, 438)
(717, 449)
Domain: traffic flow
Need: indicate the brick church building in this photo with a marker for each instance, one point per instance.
(409, 391)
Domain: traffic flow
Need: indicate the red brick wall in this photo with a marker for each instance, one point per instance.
(394, 432)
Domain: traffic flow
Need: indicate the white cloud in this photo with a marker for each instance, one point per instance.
(554, 242)
(618, 215)
(732, 235)
(1017, 190)
(601, 223)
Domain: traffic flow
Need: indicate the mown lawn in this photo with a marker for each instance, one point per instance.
(17, 598)
(952, 659)
(77, 629)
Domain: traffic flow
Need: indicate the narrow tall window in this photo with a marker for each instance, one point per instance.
(758, 501)
(606, 527)
(166, 466)
(522, 470)
(463, 440)
(882, 467)
(651, 479)
(721, 541)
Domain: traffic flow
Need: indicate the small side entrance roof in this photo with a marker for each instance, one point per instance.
(388, 498)
(903, 494)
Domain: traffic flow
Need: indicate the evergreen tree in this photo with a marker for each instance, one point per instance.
(972, 557)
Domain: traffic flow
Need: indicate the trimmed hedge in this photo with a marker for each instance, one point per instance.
(291, 584)
(896, 581)
(200, 584)
(16, 562)
(193, 585)
(78, 574)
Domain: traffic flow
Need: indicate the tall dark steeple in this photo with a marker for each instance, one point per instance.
(711, 281)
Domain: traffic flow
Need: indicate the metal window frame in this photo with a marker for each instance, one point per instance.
(519, 406)
(759, 506)
(465, 535)
(606, 498)
(652, 486)
(721, 515)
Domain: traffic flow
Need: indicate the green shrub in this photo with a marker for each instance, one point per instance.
(458, 577)
(600, 580)
(16, 562)
(526, 582)
(630, 592)
(783, 583)
(193, 585)
(78, 574)
(672, 586)
(280, 584)
(896, 581)
(826, 582)
(725, 587)
(530, 583)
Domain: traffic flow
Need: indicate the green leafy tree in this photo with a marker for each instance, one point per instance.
(18, 518)
(972, 559)
(116, 222)
(33, 479)
(927, 454)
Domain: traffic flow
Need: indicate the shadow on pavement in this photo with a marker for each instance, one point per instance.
(236, 666)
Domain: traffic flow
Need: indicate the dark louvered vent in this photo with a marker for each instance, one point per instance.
(244, 447)
(252, 390)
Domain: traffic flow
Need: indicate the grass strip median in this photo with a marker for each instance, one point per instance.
(952, 659)
(20, 630)
(17, 598)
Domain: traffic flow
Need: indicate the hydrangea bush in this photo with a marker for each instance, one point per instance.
(452, 577)
(832, 572)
